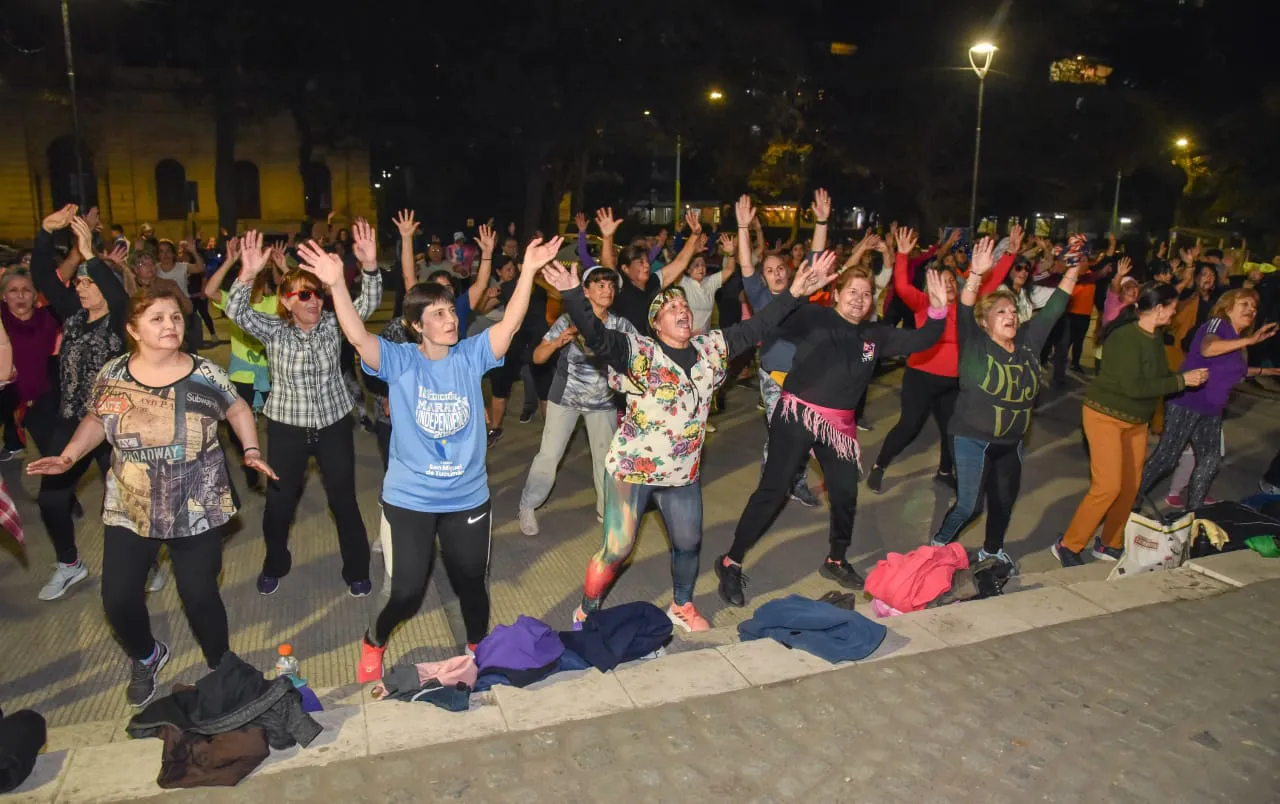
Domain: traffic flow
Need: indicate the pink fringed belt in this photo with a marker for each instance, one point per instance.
(831, 426)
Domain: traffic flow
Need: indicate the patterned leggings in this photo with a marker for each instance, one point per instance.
(624, 505)
(1183, 425)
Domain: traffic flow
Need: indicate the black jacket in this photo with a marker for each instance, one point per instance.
(232, 697)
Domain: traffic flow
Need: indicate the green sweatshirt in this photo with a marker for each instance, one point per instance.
(1135, 374)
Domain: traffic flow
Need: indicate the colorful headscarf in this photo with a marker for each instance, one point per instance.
(665, 295)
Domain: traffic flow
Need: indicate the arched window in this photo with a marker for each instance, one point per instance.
(171, 190)
(317, 190)
(69, 184)
(248, 194)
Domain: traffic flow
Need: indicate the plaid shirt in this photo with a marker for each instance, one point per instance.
(10, 519)
(307, 389)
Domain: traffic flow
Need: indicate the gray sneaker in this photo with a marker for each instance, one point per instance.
(528, 522)
(157, 579)
(64, 577)
(142, 677)
(10, 454)
(999, 555)
(803, 495)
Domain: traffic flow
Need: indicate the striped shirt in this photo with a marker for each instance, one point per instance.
(307, 389)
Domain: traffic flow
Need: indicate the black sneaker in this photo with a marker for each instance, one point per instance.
(875, 480)
(495, 435)
(805, 496)
(267, 585)
(1102, 552)
(863, 427)
(946, 479)
(842, 572)
(527, 416)
(1066, 557)
(732, 582)
(361, 588)
(142, 677)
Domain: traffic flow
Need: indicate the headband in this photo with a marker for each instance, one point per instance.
(665, 295)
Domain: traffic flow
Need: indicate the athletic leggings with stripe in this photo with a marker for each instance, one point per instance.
(624, 505)
(464, 551)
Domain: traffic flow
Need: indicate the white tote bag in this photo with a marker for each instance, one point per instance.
(1154, 544)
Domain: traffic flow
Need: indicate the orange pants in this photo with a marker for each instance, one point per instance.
(1116, 452)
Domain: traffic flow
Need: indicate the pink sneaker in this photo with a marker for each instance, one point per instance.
(370, 668)
(687, 617)
(1174, 501)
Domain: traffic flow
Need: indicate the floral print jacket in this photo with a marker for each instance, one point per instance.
(659, 442)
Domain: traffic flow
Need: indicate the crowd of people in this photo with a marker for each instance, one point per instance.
(639, 340)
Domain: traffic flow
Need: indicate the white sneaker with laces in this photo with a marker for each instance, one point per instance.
(64, 577)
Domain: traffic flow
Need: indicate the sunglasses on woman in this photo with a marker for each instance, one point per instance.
(303, 295)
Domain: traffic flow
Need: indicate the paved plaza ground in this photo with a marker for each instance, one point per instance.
(60, 659)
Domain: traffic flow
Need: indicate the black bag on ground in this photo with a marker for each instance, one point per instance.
(22, 735)
(1237, 520)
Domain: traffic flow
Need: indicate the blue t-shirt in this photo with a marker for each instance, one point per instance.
(462, 306)
(437, 459)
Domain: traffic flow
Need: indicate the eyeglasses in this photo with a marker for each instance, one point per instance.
(303, 295)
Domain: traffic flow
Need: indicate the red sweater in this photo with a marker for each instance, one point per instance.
(943, 357)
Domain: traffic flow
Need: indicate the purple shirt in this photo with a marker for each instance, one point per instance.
(1225, 371)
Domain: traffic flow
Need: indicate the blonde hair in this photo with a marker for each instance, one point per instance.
(984, 305)
(295, 280)
(1222, 309)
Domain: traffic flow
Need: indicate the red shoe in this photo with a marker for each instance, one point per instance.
(370, 668)
(687, 617)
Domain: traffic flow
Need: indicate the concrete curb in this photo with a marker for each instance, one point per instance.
(97, 763)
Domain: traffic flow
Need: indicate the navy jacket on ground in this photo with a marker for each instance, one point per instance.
(619, 634)
(832, 633)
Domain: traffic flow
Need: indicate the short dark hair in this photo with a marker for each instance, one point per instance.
(434, 276)
(632, 253)
(420, 297)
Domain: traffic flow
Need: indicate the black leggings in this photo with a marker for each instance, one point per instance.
(1183, 425)
(201, 306)
(922, 393)
(1077, 329)
(789, 445)
(197, 561)
(464, 550)
(334, 448)
(57, 494)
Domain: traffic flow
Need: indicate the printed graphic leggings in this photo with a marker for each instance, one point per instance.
(1183, 426)
(464, 538)
(624, 505)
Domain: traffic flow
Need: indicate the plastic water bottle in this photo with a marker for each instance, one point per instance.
(287, 665)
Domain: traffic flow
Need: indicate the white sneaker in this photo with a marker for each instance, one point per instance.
(64, 577)
(528, 522)
(1267, 488)
(157, 579)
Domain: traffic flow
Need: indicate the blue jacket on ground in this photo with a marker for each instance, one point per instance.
(619, 634)
(826, 631)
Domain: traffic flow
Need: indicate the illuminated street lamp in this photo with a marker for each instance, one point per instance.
(980, 56)
(715, 95)
(1182, 142)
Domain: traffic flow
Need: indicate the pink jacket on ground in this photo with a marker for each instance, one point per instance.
(910, 582)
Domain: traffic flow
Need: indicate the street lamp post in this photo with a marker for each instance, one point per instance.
(81, 197)
(980, 56)
(1115, 207)
(675, 212)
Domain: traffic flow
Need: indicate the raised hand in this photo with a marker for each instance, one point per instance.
(745, 212)
(580, 219)
(1123, 267)
(694, 221)
(907, 239)
(327, 267)
(1162, 250)
(84, 237)
(821, 206)
(233, 249)
(364, 243)
(605, 220)
(539, 253)
(560, 277)
(727, 243)
(936, 284)
(1264, 332)
(405, 223)
(1016, 236)
(486, 239)
(60, 219)
(981, 261)
(814, 274)
(119, 254)
(252, 257)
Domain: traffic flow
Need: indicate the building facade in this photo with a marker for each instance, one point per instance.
(148, 157)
